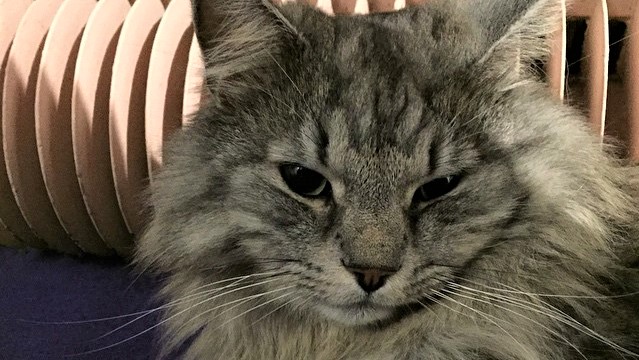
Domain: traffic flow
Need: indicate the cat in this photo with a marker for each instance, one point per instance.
(397, 185)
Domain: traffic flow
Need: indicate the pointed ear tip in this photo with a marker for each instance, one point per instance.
(556, 4)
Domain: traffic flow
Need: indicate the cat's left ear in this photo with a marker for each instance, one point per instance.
(519, 33)
(242, 42)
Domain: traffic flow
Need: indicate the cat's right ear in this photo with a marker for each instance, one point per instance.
(518, 33)
(241, 41)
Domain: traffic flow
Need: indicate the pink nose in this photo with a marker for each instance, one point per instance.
(370, 280)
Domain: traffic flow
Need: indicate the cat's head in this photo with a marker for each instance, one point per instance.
(369, 159)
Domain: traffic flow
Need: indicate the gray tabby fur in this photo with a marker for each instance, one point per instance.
(522, 260)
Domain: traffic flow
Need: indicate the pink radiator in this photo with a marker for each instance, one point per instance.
(90, 89)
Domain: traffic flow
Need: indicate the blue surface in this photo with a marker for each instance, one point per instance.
(37, 288)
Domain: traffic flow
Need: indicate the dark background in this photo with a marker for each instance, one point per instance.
(37, 288)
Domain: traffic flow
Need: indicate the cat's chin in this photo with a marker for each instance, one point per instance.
(355, 315)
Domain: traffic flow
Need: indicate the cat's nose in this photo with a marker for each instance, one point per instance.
(370, 280)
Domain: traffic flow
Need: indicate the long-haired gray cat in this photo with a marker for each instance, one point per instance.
(390, 186)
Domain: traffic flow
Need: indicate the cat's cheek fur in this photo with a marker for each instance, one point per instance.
(482, 213)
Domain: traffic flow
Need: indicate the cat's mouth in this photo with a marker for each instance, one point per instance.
(379, 309)
(366, 312)
(364, 305)
(359, 313)
(373, 310)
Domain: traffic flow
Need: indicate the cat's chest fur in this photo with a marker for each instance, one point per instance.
(282, 342)
(416, 338)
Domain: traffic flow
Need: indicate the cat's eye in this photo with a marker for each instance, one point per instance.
(436, 188)
(305, 182)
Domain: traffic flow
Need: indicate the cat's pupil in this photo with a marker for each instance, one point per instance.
(304, 181)
(436, 188)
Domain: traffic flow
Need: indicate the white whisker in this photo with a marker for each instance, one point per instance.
(274, 310)
(256, 307)
(558, 316)
(429, 310)
(184, 299)
(566, 296)
(554, 332)
(169, 318)
(148, 311)
(431, 298)
(486, 316)
(286, 74)
(237, 302)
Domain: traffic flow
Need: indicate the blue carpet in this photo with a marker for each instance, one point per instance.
(40, 290)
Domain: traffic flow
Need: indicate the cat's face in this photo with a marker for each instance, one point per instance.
(409, 210)
(367, 161)
(378, 184)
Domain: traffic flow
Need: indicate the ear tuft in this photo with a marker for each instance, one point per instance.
(524, 40)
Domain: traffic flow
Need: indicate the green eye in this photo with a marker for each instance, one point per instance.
(436, 188)
(305, 182)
